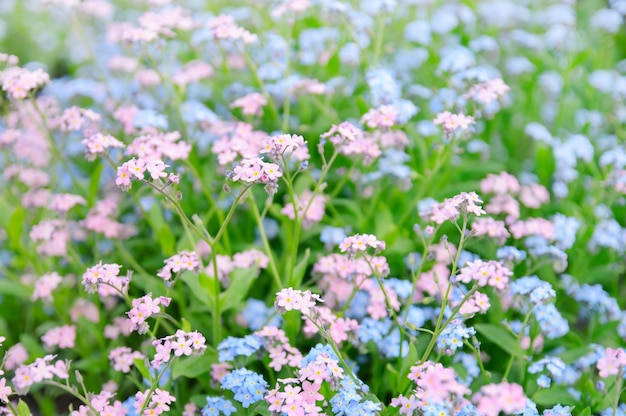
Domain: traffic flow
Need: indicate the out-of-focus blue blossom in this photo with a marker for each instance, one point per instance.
(150, 118)
(384, 88)
(418, 31)
(443, 20)
(510, 253)
(621, 411)
(256, 314)
(358, 305)
(195, 112)
(592, 299)
(554, 366)
(518, 65)
(232, 347)
(416, 316)
(373, 330)
(314, 42)
(608, 234)
(389, 346)
(503, 14)
(552, 83)
(615, 156)
(544, 381)
(530, 409)
(552, 324)
(216, 406)
(375, 7)
(426, 205)
(466, 256)
(332, 236)
(129, 406)
(402, 288)
(539, 132)
(446, 98)
(537, 290)
(558, 410)
(248, 386)
(455, 59)
(470, 364)
(484, 43)
(565, 229)
(350, 54)
(538, 246)
(427, 128)
(413, 261)
(590, 359)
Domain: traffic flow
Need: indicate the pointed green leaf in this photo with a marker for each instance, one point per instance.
(501, 337)
(143, 369)
(240, 282)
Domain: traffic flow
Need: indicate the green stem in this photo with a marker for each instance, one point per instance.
(509, 364)
(266, 244)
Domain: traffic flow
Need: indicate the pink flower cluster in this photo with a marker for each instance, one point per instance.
(452, 208)
(122, 358)
(136, 169)
(155, 145)
(299, 395)
(477, 303)
(360, 243)
(484, 273)
(612, 363)
(42, 369)
(314, 209)
(99, 219)
(19, 82)
(185, 260)
(504, 397)
(339, 329)
(181, 343)
(244, 260)
(143, 308)
(62, 337)
(505, 186)
(223, 27)
(62, 203)
(453, 122)
(102, 403)
(488, 91)
(502, 183)
(120, 326)
(435, 383)
(281, 353)
(284, 145)
(53, 236)
(153, 25)
(256, 171)
(193, 71)
(345, 132)
(289, 299)
(236, 139)
(250, 104)
(491, 228)
(105, 279)
(533, 226)
(75, 119)
(99, 143)
(160, 401)
(45, 285)
(382, 117)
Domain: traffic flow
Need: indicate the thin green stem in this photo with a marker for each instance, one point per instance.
(266, 244)
(509, 364)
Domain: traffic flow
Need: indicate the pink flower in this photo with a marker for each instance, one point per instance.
(612, 363)
(290, 299)
(453, 122)
(504, 397)
(156, 168)
(250, 104)
(5, 391)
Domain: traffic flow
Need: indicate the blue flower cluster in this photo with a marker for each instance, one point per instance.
(257, 314)
(216, 406)
(592, 299)
(453, 335)
(554, 366)
(232, 347)
(348, 402)
(248, 386)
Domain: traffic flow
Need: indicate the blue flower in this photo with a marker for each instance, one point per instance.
(248, 386)
(216, 406)
(231, 347)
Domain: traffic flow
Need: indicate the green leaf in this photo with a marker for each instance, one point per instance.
(585, 412)
(15, 227)
(94, 184)
(22, 409)
(501, 337)
(569, 356)
(554, 395)
(186, 325)
(143, 369)
(8, 287)
(199, 285)
(192, 366)
(161, 230)
(300, 269)
(240, 282)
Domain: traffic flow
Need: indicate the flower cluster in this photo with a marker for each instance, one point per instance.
(105, 279)
(122, 358)
(485, 273)
(181, 344)
(289, 299)
(143, 308)
(360, 243)
(20, 82)
(453, 122)
(248, 386)
(185, 260)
